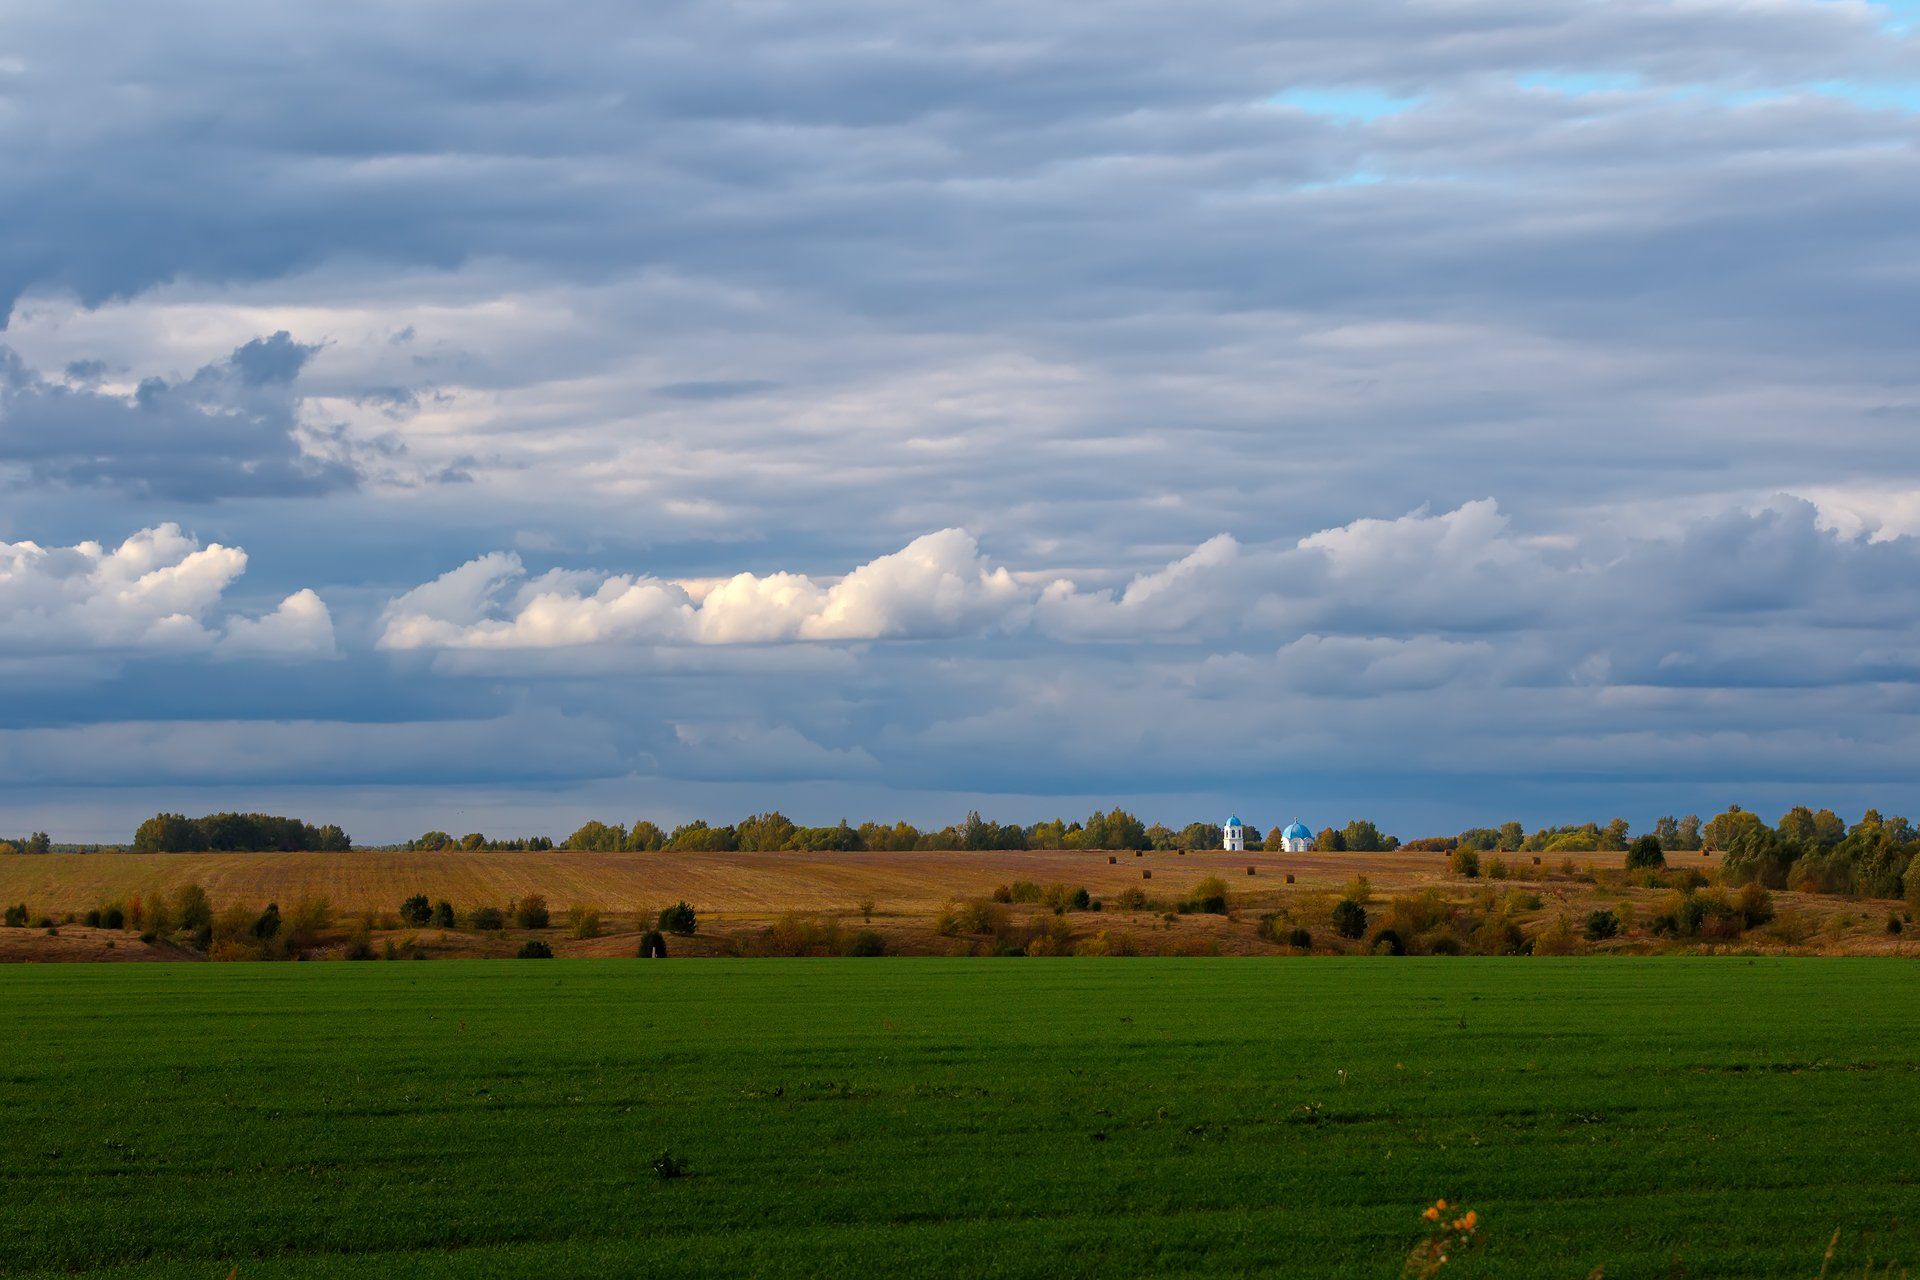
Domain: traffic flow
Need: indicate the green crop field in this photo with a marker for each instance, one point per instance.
(935, 1117)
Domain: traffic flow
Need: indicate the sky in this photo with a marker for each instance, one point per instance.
(452, 414)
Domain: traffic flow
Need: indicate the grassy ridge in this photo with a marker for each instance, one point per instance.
(931, 1117)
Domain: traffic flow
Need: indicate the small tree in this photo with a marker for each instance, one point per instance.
(653, 946)
(443, 916)
(678, 918)
(1602, 925)
(531, 912)
(416, 910)
(1646, 855)
(534, 949)
(1349, 918)
(268, 925)
(487, 919)
(1465, 862)
(192, 908)
(17, 916)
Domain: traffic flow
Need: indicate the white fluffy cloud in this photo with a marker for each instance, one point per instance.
(158, 590)
(938, 585)
(1423, 574)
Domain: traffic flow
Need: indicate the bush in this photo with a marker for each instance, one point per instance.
(360, 945)
(1602, 925)
(678, 918)
(1209, 896)
(1349, 918)
(310, 918)
(192, 908)
(443, 916)
(1754, 904)
(1646, 855)
(416, 910)
(1445, 945)
(1131, 900)
(867, 943)
(585, 922)
(1300, 939)
(17, 916)
(1024, 891)
(531, 912)
(1496, 868)
(487, 919)
(1388, 943)
(1082, 900)
(653, 946)
(265, 928)
(91, 919)
(1465, 862)
(533, 949)
(974, 915)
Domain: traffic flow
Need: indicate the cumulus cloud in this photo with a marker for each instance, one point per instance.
(938, 585)
(159, 590)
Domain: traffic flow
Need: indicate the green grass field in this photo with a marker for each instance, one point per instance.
(932, 1117)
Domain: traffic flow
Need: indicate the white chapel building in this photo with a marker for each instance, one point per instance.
(1295, 839)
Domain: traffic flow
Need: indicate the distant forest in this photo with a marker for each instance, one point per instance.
(1806, 848)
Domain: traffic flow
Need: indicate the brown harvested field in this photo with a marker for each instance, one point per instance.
(739, 895)
(721, 885)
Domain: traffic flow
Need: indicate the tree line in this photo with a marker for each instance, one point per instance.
(238, 832)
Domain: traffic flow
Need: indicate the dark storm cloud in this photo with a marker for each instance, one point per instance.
(231, 429)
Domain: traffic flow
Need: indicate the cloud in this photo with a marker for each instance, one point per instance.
(158, 591)
(937, 585)
(231, 429)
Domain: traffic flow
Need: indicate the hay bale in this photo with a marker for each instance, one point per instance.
(1147, 874)
(1289, 877)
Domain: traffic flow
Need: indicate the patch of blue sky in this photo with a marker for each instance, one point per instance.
(1357, 178)
(1346, 102)
(1882, 95)
(1580, 83)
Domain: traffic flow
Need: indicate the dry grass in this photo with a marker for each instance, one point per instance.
(905, 893)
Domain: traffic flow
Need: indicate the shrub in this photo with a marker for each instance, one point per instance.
(1209, 896)
(1131, 900)
(1646, 855)
(1349, 918)
(192, 908)
(1754, 904)
(1498, 936)
(17, 916)
(268, 925)
(1003, 894)
(867, 943)
(1445, 945)
(443, 916)
(1894, 925)
(653, 946)
(533, 949)
(1300, 939)
(309, 919)
(416, 910)
(678, 918)
(91, 919)
(487, 919)
(1082, 900)
(866, 908)
(1388, 943)
(1496, 868)
(973, 915)
(585, 922)
(1464, 862)
(1555, 940)
(360, 945)
(1024, 891)
(531, 912)
(1602, 925)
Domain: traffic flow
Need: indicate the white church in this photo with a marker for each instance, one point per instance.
(1294, 839)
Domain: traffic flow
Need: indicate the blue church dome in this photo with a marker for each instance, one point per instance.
(1295, 831)
(1235, 821)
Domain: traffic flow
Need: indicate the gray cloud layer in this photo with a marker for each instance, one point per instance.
(1176, 312)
